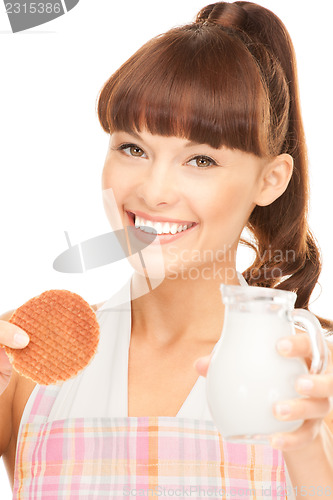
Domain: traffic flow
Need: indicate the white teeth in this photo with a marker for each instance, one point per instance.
(166, 227)
(173, 228)
(149, 226)
(157, 226)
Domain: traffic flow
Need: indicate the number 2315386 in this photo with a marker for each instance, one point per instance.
(33, 8)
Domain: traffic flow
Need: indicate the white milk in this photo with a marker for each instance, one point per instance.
(247, 375)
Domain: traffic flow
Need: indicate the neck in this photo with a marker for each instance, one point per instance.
(181, 309)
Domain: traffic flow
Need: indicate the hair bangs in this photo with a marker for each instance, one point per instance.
(195, 82)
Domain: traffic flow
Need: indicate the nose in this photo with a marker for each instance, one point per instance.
(158, 185)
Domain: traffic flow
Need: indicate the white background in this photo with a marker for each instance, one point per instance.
(52, 147)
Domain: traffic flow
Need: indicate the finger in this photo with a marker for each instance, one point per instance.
(301, 409)
(295, 345)
(317, 386)
(299, 345)
(202, 364)
(297, 439)
(12, 336)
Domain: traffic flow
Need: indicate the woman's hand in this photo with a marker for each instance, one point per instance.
(313, 409)
(11, 336)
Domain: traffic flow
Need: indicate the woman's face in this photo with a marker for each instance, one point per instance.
(170, 179)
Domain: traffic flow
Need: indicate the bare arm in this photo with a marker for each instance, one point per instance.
(7, 379)
(6, 403)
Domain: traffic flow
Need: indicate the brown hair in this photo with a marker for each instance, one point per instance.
(230, 78)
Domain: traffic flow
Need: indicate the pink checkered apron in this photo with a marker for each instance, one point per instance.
(138, 457)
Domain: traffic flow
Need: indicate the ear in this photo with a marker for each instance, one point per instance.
(274, 179)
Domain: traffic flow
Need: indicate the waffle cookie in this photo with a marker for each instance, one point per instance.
(64, 334)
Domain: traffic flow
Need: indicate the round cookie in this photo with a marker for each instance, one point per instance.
(64, 334)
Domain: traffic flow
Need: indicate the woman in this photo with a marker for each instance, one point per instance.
(206, 138)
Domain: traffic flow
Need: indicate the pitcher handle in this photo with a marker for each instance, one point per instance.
(318, 343)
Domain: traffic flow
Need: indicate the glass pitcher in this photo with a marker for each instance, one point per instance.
(247, 375)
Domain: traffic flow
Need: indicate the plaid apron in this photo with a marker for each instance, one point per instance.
(138, 457)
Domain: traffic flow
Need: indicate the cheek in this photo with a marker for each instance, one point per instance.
(225, 201)
(109, 176)
(118, 177)
(224, 212)
(114, 192)
(113, 178)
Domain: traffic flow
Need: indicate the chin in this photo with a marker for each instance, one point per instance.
(150, 266)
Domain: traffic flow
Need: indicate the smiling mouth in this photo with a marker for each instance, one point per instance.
(159, 228)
